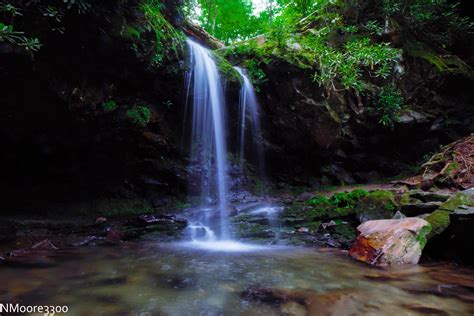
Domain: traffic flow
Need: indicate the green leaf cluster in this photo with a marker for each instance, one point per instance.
(139, 115)
(339, 204)
(8, 34)
(389, 102)
(438, 20)
(109, 106)
(169, 41)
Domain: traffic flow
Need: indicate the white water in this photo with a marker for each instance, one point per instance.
(208, 139)
(209, 148)
(223, 245)
(248, 110)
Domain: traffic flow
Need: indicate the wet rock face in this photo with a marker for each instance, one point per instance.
(316, 130)
(386, 242)
(58, 137)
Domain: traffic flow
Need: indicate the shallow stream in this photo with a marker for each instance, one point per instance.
(180, 279)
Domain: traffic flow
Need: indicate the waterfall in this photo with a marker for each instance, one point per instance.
(248, 107)
(208, 134)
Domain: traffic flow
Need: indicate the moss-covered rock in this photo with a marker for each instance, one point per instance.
(252, 231)
(442, 62)
(226, 68)
(465, 197)
(439, 221)
(378, 204)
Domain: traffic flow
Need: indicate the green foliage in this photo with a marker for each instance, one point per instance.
(309, 43)
(169, 41)
(131, 32)
(373, 27)
(7, 34)
(109, 106)
(440, 18)
(82, 6)
(340, 204)
(256, 74)
(10, 8)
(140, 115)
(225, 67)
(228, 20)
(350, 63)
(388, 105)
(442, 62)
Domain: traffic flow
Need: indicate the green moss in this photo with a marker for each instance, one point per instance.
(178, 204)
(460, 198)
(109, 106)
(422, 235)
(443, 63)
(169, 41)
(439, 221)
(251, 230)
(226, 68)
(345, 232)
(405, 199)
(379, 204)
(341, 204)
(313, 226)
(139, 115)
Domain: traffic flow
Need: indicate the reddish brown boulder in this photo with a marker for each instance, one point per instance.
(393, 241)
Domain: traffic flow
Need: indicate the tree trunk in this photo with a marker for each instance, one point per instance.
(201, 35)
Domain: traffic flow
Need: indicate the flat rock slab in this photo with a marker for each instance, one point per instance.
(416, 209)
(393, 241)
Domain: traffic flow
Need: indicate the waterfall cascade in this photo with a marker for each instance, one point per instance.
(248, 110)
(208, 134)
(209, 223)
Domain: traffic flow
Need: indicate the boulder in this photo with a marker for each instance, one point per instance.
(440, 219)
(465, 197)
(394, 241)
(426, 196)
(419, 208)
(462, 223)
(379, 204)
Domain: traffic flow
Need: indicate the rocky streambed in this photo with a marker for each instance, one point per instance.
(172, 279)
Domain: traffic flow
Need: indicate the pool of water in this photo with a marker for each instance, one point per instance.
(178, 279)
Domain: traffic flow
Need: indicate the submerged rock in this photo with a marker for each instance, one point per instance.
(395, 241)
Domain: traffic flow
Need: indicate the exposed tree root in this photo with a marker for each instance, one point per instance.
(451, 167)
